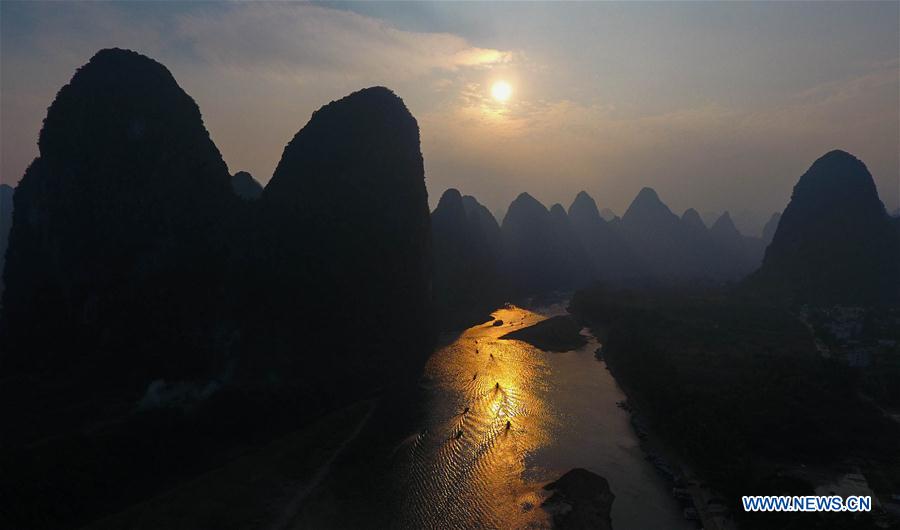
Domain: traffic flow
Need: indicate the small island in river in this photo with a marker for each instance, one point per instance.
(559, 333)
(580, 500)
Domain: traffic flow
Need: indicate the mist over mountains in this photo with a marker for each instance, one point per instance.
(835, 243)
(121, 257)
(155, 295)
(545, 250)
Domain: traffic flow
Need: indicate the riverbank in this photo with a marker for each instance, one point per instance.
(700, 504)
(740, 393)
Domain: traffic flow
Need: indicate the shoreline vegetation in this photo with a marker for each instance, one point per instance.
(169, 329)
(738, 390)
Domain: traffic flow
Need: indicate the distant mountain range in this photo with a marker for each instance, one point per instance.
(159, 310)
(544, 250)
(835, 243)
(159, 242)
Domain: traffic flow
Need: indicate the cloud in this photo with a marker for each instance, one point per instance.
(309, 42)
(710, 155)
(257, 70)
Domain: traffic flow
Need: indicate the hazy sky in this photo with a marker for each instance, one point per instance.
(715, 105)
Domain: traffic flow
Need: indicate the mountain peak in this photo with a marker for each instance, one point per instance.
(524, 197)
(584, 210)
(526, 204)
(452, 195)
(647, 207)
(834, 242)
(557, 210)
(724, 227)
(524, 208)
(351, 144)
(691, 218)
(584, 196)
(245, 186)
(647, 194)
(836, 178)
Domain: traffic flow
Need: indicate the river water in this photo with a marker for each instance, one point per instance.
(467, 469)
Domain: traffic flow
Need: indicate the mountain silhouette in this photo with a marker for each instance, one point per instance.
(771, 226)
(610, 258)
(349, 244)
(117, 240)
(527, 240)
(6, 209)
(467, 283)
(724, 231)
(740, 254)
(834, 242)
(575, 265)
(693, 222)
(487, 224)
(659, 239)
(179, 323)
(607, 214)
(541, 250)
(245, 186)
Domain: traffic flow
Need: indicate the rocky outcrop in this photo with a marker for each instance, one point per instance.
(467, 282)
(610, 257)
(834, 242)
(245, 186)
(659, 240)
(349, 243)
(542, 252)
(581, 500)
(154, 323)
(117, 246)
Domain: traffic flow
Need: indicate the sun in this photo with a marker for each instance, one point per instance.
(501, 91)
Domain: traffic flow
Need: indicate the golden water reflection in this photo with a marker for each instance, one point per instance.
(488, 413)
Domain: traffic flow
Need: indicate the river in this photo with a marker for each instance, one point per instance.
(467, 469)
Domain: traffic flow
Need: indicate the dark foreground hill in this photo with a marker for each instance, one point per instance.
(117, 247)
(6, 209)
(348, 251)
(154, 324)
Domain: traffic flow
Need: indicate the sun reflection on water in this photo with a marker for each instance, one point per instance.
(488, 413)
